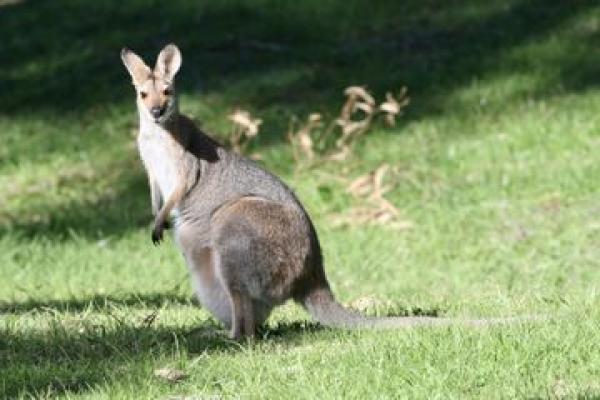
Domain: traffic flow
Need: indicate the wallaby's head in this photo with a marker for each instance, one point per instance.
(155, 89)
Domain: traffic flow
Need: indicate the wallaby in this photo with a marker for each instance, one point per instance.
(248, 242)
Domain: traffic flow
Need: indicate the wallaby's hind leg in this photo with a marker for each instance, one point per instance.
(228, 263)
(209, 289)
(249, 318)
(243, 323)
(233, 308)
(262, 248)
(261, 312)
(216, 286)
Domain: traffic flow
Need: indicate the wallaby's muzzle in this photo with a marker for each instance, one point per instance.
(157, 112)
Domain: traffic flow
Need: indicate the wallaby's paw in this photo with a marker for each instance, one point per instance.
(157, 235)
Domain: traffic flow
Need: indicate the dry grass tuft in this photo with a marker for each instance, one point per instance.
(356, 117)
(374, 209)
(392, 106)
(244, 129)
(311, 141)
(301, 141)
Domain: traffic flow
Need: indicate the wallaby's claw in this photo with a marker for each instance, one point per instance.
(157, 235)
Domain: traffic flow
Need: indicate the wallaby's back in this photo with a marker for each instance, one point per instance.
(229, 177)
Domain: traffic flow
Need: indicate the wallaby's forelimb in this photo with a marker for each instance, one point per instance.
(155, 196)
(160, 222)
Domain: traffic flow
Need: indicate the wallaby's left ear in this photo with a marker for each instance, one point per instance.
(168, 62)
(135, 65)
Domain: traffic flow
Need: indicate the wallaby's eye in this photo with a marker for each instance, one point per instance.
(167, 92)
(143, 95)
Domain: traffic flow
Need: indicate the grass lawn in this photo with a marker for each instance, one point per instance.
(496, 167)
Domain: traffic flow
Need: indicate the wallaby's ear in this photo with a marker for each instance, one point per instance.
(168, 62)
(138, 70)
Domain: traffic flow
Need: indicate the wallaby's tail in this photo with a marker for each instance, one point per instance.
(321, 304)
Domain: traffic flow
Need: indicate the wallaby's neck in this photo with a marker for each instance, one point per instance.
(183, 132)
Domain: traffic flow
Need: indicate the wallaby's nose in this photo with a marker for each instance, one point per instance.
(156, 111)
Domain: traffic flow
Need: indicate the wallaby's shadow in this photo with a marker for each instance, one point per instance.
(98, 302)
(73, 358)
(76, 360)
(288, 330)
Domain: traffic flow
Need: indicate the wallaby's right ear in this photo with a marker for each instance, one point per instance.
(138, 70)
(168, 62)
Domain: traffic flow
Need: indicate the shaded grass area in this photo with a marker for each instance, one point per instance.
(264, 53)
(97, 361)
(68, 102)
(496, 166)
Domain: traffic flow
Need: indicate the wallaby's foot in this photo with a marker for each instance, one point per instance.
(239, 336)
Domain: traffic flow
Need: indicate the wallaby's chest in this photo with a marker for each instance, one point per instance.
(160, 160)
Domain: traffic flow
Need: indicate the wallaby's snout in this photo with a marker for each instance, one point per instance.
(157, 112)
(155, 88)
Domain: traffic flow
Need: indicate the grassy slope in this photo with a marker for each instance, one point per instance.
(498, 161)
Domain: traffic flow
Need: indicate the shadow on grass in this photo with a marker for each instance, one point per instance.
(72, 357)
(97, 302)
(75, 361)
(258, 55)
(262, 54)
(122, 207)
(65, 360)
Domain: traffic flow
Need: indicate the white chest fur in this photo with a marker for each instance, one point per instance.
(154, 144)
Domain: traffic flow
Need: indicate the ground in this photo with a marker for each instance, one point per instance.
(495, 172)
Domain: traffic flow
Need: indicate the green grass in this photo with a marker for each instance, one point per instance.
(498, 169)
